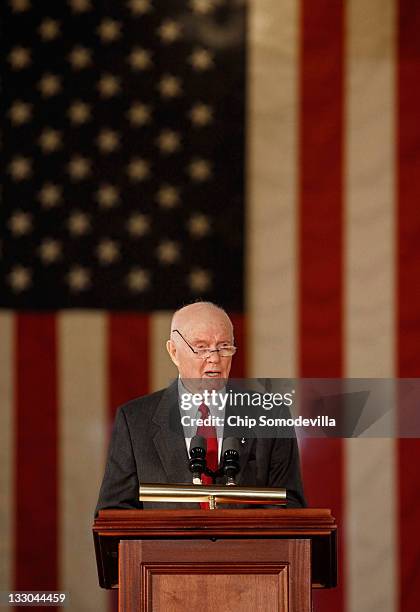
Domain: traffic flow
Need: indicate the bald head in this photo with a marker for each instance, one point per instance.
(191, 315)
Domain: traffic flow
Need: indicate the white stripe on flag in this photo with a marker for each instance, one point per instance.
(371, 511)
(6, 450)
(83, 425)
(162, 370)
(271, 180)
(370, 188)
(369, 293)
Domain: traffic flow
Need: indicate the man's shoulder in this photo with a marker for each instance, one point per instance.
(143, 402)
(146, 405)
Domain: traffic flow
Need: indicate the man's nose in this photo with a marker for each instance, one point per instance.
(214, 357)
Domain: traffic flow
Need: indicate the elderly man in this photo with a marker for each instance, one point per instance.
(149, 443)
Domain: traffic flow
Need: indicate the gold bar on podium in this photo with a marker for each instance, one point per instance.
(220, 494)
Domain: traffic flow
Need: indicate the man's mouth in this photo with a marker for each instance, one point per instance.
(212, 373)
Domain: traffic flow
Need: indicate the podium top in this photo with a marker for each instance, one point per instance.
(223, 523)
(316, 524)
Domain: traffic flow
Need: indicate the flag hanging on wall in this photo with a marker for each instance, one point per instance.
(264, 155)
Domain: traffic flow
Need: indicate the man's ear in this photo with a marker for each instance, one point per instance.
(171, 348)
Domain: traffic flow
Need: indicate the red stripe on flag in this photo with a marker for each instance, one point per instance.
(409, 188)
(239, 360)
(128, 369)
(128, 358)
(409, 288)
(320, 240)
(321, 175)
(36, 495)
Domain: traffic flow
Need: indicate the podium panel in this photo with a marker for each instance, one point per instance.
(241, 592)
(237, 575)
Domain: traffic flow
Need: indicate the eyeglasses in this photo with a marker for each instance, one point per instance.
(204, 353)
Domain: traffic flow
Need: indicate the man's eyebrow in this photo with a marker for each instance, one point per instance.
(199, 340)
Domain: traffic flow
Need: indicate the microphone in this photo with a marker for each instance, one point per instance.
(197, 462)
(230, 459)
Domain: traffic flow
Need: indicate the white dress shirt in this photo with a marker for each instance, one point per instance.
(215, 409)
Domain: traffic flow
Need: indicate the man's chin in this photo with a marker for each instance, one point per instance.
(213, 383)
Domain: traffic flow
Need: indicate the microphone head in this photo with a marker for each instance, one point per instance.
(198, 447)
(230, 458)
(197, 461)
(230, 445)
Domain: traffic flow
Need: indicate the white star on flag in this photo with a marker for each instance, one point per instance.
(168, 251)
(168, 141)
(108, 251)
(80, 6)
(109, 30)
(20, 6)
(139, 114)
(50, 140)
(199, 170)
(199, 280)
(79, 167)
(49, 251)
(20, 278)
(79, 223)
(20, 223)
(78, 279)
(49, 29)
(201, 59)
(107, 195)
(79, 112)
(20, 112)
(19, 58)
(80, 57)
(20, 168)
(139, 7)
(140, 59)
(108, 140)
(109, 85)
(202, 7)
(169, 31)
(169, 86)
(50, 195)
(138, 280)
(49, 85)
(199, 225)
(138, 224)
(167, 196)
(201, 114)
(138, 169)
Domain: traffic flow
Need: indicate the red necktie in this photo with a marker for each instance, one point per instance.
(209, 433)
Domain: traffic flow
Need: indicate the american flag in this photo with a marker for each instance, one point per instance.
(120, 202)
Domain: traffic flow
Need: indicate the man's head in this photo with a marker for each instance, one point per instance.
(201, 325)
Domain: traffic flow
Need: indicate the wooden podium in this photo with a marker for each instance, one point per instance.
(218, 560)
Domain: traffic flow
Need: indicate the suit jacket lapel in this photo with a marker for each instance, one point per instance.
(169, 437)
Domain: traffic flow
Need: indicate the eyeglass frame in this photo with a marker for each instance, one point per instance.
(216, 350)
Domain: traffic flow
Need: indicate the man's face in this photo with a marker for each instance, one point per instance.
(202, 328)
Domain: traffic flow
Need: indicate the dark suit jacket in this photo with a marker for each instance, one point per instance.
(148, 445)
